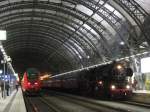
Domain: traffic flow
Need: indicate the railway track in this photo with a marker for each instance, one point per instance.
(51, 106)
(68, 106)
(123, 106)
(60, 102)
(136, 104)
(29, 105)
(92, 105)
(39, 104)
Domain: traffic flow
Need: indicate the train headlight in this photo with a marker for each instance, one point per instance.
(127, 86)
(29, 83)
(113, 87)
(119, 67)
(100, 82)
(36, 83)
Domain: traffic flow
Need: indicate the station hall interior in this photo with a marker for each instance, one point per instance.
(62, 38)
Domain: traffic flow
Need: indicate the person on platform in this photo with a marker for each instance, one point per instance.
(7, 88)
(2, 88)
(17, 85)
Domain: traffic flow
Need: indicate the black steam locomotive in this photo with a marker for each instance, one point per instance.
(110, 80)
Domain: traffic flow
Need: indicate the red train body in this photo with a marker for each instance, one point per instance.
(31, 83)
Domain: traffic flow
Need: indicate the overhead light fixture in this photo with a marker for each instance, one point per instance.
(2, 50)
(1, 47)
(122, 43)
(2, 34)
(1, 71)
(141, 47)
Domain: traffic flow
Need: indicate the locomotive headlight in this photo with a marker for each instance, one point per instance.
(36, 83)
(119, 67)
(100, 82)
(127, 86)
(29, 83)
(113, 87)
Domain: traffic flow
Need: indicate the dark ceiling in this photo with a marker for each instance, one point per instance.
(63, 35)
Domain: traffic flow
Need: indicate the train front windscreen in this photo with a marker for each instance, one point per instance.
(32, 74)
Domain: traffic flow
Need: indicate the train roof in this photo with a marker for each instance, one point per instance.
(32, 70)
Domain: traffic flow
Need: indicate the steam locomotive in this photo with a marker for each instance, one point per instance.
(110, 80)
(31, 83)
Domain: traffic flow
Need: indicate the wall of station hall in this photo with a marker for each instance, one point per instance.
(141, 68)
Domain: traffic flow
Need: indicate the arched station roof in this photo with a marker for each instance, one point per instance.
(62, 35)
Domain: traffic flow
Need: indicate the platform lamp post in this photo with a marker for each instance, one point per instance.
(2, 38)
(4, 91)
(1, 71)
(9, 60)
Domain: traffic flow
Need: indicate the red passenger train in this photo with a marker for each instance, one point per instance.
(31, 83)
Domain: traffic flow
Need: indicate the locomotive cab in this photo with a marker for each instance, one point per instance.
(120, 86)
(113, 82)
(31, 83)
(120, 89)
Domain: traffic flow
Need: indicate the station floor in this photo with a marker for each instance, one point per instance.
(13, 103)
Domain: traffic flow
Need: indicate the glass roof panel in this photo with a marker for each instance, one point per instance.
(78, 47)
(87, 26)
(97, 17)
(109, 7)
(119, 15)
(4, 3)
(74, 50)
(99, 1)
(11, 1)
(69, 27)
(145, 4)
(84, 10)
(108, 27)
(55, 1)
(94, 32)
(50, 11)
(43, 0)
(68, 4)
(27, 10)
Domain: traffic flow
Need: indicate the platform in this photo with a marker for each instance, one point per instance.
(142, 96)
(13, 103)
(141, 92)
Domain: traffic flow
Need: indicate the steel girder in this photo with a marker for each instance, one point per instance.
(110, 18)
(116, 22)
(42, 46)
(54, 27)
(40, 36)
(30, 47)
(86, 39)
(75, 31)
(108, 13)
(36, 54)
(137, 13)
(55, 34)
(9, 18)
